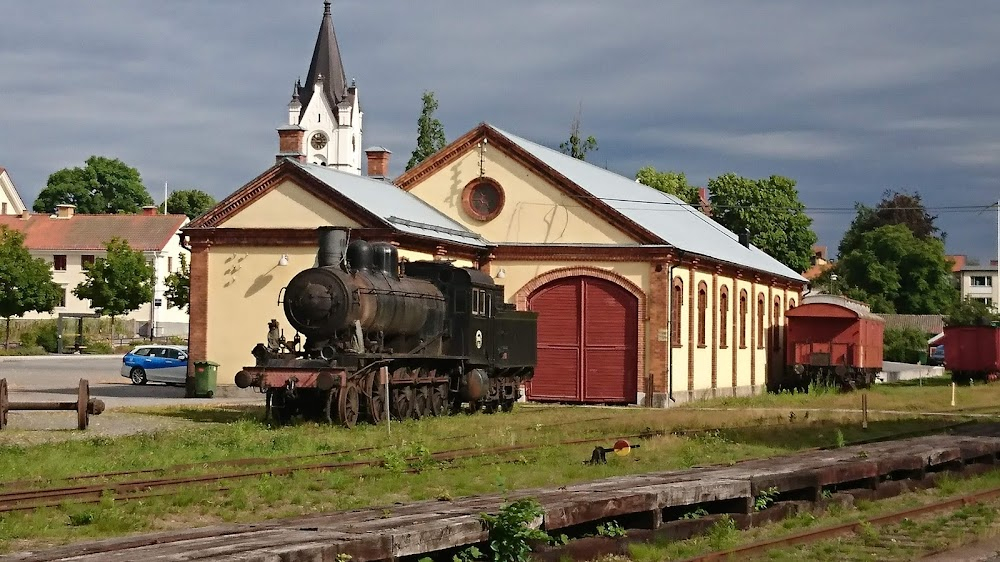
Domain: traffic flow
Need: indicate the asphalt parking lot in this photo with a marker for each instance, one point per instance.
(57, 378)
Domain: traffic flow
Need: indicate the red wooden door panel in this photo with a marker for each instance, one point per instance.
(587, 342)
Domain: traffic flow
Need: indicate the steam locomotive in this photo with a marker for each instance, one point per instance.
(422, 338)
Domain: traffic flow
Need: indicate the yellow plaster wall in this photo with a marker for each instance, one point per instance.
(288, 206)
(534, 211)
(243, 288)
(518, 273)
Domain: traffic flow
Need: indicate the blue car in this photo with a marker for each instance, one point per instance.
(937, 356)
(156, 363)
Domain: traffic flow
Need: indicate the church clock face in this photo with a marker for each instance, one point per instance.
(319, 141)
(483, 199)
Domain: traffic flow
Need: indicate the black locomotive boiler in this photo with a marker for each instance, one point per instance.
(422, 338)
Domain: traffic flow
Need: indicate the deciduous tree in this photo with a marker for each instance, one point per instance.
(178, 292)
(971, 312)
(769, 208)
(430, 132)
(190, 202)
(25, 282)
(118, 283)
(576, 146)
(895, 208)
(896, 272)
(674, 183)
(102, 186)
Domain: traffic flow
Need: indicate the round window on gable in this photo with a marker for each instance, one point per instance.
(483, 199)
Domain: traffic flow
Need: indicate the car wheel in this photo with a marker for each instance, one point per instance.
(138, 375)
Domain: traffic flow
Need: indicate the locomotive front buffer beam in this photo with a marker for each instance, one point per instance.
(277, 377)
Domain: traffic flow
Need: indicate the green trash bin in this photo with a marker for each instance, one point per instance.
(205, 373)
(921, 357)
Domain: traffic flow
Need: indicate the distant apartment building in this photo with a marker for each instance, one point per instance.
(979, 282)
(69, 241)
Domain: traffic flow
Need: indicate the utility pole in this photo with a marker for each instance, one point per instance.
(993, 289)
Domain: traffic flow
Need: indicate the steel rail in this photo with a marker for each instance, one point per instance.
(836, 530)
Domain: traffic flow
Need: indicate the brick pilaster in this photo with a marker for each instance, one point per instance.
(198, 315)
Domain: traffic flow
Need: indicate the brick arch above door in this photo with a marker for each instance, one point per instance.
(521, 296)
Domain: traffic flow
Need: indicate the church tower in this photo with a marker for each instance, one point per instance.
(324, 116)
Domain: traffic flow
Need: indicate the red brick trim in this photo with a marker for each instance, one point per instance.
(198, 316)
(691, 328)
(723, 338)
(734, 300)
(521, 300)
(659, 293)
(702, 314)
(753, 333)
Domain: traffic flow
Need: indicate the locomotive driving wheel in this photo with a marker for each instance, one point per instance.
(349, 406)
(400, 404)
(439, 399)
(375, 401)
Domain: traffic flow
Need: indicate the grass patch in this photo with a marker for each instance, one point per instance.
(689, 436)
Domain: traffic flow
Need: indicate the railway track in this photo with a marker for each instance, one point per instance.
(32, 499)
(891, 539)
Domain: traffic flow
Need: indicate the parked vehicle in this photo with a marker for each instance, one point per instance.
(156, 363)
(833, 341)
(936, 356)
(973, 353)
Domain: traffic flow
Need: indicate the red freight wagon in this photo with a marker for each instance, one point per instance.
(832, 340)
(972, 352)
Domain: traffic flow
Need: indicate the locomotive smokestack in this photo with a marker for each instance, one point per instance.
(332, 244)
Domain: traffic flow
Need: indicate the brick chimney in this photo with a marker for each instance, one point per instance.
(378, 162)
(65, 211)
(149, 210)
(290, 143)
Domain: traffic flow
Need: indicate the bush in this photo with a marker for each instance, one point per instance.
(41, 334)
(22, 351)
(99, 348)
(904, 344)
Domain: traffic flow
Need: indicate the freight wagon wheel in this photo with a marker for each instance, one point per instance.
(349, 408)
(375, 402)
(507, 405)
(282, 409)
(492, 406)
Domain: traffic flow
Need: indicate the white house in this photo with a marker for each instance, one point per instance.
(68, 241)
(10, 201)
(980, 282)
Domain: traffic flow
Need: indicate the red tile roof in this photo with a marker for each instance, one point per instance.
(90, 232)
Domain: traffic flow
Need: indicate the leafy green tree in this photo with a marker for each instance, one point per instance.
(118, 283)
(103, 186)
(576, 146)
(178, 292)
(769, 208)
(430, 132)
(904, 344)
(970, 312)
(25, 282)
(674, 183)
(190, 202)
(896, 272)
(894, 208)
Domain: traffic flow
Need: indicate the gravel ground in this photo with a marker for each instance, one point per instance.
(33, 428)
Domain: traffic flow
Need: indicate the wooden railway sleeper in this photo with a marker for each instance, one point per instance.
(85, 406)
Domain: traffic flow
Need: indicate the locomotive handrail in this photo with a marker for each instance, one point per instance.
(281, 293)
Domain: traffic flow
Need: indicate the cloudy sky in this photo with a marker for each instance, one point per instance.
(849, 98)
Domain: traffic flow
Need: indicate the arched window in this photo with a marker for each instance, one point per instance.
(761, 313)
(791, 304)
(723, 317)
(775, 322)
(743, 319)
(702, 309)
(677, 299)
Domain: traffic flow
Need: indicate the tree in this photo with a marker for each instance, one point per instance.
(674, 183)
(896, 272)
(769, 208)
(904, 344)
(430, 132)
(971, 312)
(25, 282)
(178, 292)
(894, 208)
(118, 283)
(190, 202)
(576, 147)
(103, 186)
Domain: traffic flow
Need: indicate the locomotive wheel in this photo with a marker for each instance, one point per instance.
(439, 401)
(420, 404)
(400, 404)
(349, 405)
(492, 406)
(282, 409)
(427, 391)
(507, 405)
(375, 411)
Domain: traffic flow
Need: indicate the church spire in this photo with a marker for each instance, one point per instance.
(326, 62)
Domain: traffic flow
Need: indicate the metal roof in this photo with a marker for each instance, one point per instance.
(677, 223)
(399, 209)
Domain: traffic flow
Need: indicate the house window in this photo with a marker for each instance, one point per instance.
(59, 262)
(743, 319)
(170, 264)
(775, 321)
(986, 301)
(760, 321)
(86, 261)
(676, 301)
(63, 293)
(3, 208)
(982, 281)
(702, 308)
(723, 317)
(791, 304)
